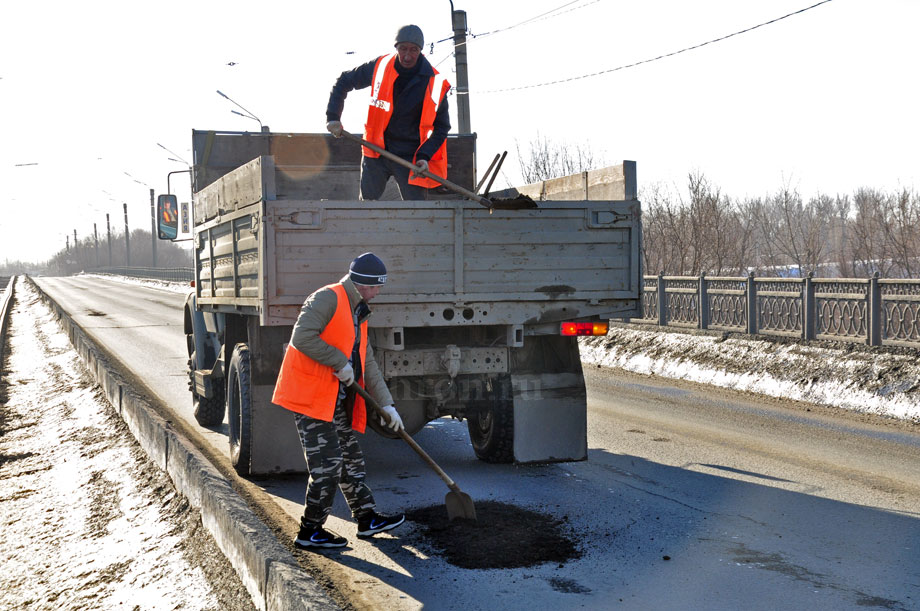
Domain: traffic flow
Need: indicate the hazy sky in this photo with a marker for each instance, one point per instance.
(823, 101)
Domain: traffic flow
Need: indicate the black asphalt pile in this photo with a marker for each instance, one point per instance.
(502, 537)
(521, 202)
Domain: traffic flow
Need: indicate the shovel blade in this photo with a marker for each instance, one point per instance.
(459, 505)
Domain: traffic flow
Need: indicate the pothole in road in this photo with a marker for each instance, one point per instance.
(502, 537)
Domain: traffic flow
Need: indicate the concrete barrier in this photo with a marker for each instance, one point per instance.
(5, 313)
(268, 570)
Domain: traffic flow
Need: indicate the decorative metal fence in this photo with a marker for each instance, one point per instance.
(870, 311)
(171, 274)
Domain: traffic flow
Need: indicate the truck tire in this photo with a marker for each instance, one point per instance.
(208, 411)
(491, 424)
(239, 409)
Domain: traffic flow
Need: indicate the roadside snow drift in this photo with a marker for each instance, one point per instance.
(859, 378)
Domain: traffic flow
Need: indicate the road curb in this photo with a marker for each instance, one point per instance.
(268, 570)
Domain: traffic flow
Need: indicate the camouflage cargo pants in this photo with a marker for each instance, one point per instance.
(334, 459)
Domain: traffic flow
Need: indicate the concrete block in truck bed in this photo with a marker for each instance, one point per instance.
(612, 183)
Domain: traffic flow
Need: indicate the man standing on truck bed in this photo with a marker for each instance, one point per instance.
(407, 116)
(327, 353)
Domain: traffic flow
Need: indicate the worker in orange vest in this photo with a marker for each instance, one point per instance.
(407, 116)
(327, 353)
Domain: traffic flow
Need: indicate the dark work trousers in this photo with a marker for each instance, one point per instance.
(334, 459)
(375, 171)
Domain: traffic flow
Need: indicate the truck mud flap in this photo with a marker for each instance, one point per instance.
(275, 443)
(550, 417)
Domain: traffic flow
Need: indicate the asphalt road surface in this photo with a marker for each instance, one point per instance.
(691, 497)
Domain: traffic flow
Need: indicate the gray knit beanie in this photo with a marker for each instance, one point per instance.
(410, 33)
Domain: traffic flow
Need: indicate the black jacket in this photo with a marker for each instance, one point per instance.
(402, 133)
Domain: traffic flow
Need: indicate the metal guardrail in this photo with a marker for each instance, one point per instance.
(870, 311)
(173, 274)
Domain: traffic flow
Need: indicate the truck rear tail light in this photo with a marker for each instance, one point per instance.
(584, 328)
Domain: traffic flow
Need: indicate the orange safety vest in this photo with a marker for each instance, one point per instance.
(307, 386)
(381, 109)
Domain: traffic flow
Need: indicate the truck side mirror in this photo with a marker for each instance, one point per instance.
(167, 217)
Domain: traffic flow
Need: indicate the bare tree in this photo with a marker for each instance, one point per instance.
(795, 234)
(665, 226)
(82, 256)
(902, 232)
(749, 243)
(704, 232)
(546, 159)
(840, 237)
(868, 247)
(814, 229)
(711, 219)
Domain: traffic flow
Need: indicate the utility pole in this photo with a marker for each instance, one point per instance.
(458, 19)
(127, 240)
(108, 228)
(75, 253)
(96, 239)
(153, 229)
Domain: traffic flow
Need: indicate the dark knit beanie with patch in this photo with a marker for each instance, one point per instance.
(368, 270)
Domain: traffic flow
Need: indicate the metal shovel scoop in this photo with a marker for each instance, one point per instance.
(459, 504)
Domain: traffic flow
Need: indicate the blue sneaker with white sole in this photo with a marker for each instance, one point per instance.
(314, 535)
(374, 523)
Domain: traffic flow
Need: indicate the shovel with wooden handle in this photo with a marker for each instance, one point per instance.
(459, 504)
(408, 164)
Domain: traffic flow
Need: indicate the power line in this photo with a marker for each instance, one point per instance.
(647, 61)
(540, 17)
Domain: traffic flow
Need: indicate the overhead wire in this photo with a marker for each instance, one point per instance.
(653, 59)
(541, 17)
(556, 12)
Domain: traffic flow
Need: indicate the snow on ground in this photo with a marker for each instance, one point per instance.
(86, 521)
(870, 380)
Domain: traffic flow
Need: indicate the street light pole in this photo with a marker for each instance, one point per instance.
(458, 20)
(108, 229)
(153, 228)
(248, 114)
(127, 239)
(180, 159)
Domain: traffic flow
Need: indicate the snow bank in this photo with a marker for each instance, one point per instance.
(166, 285)
(858, 378)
